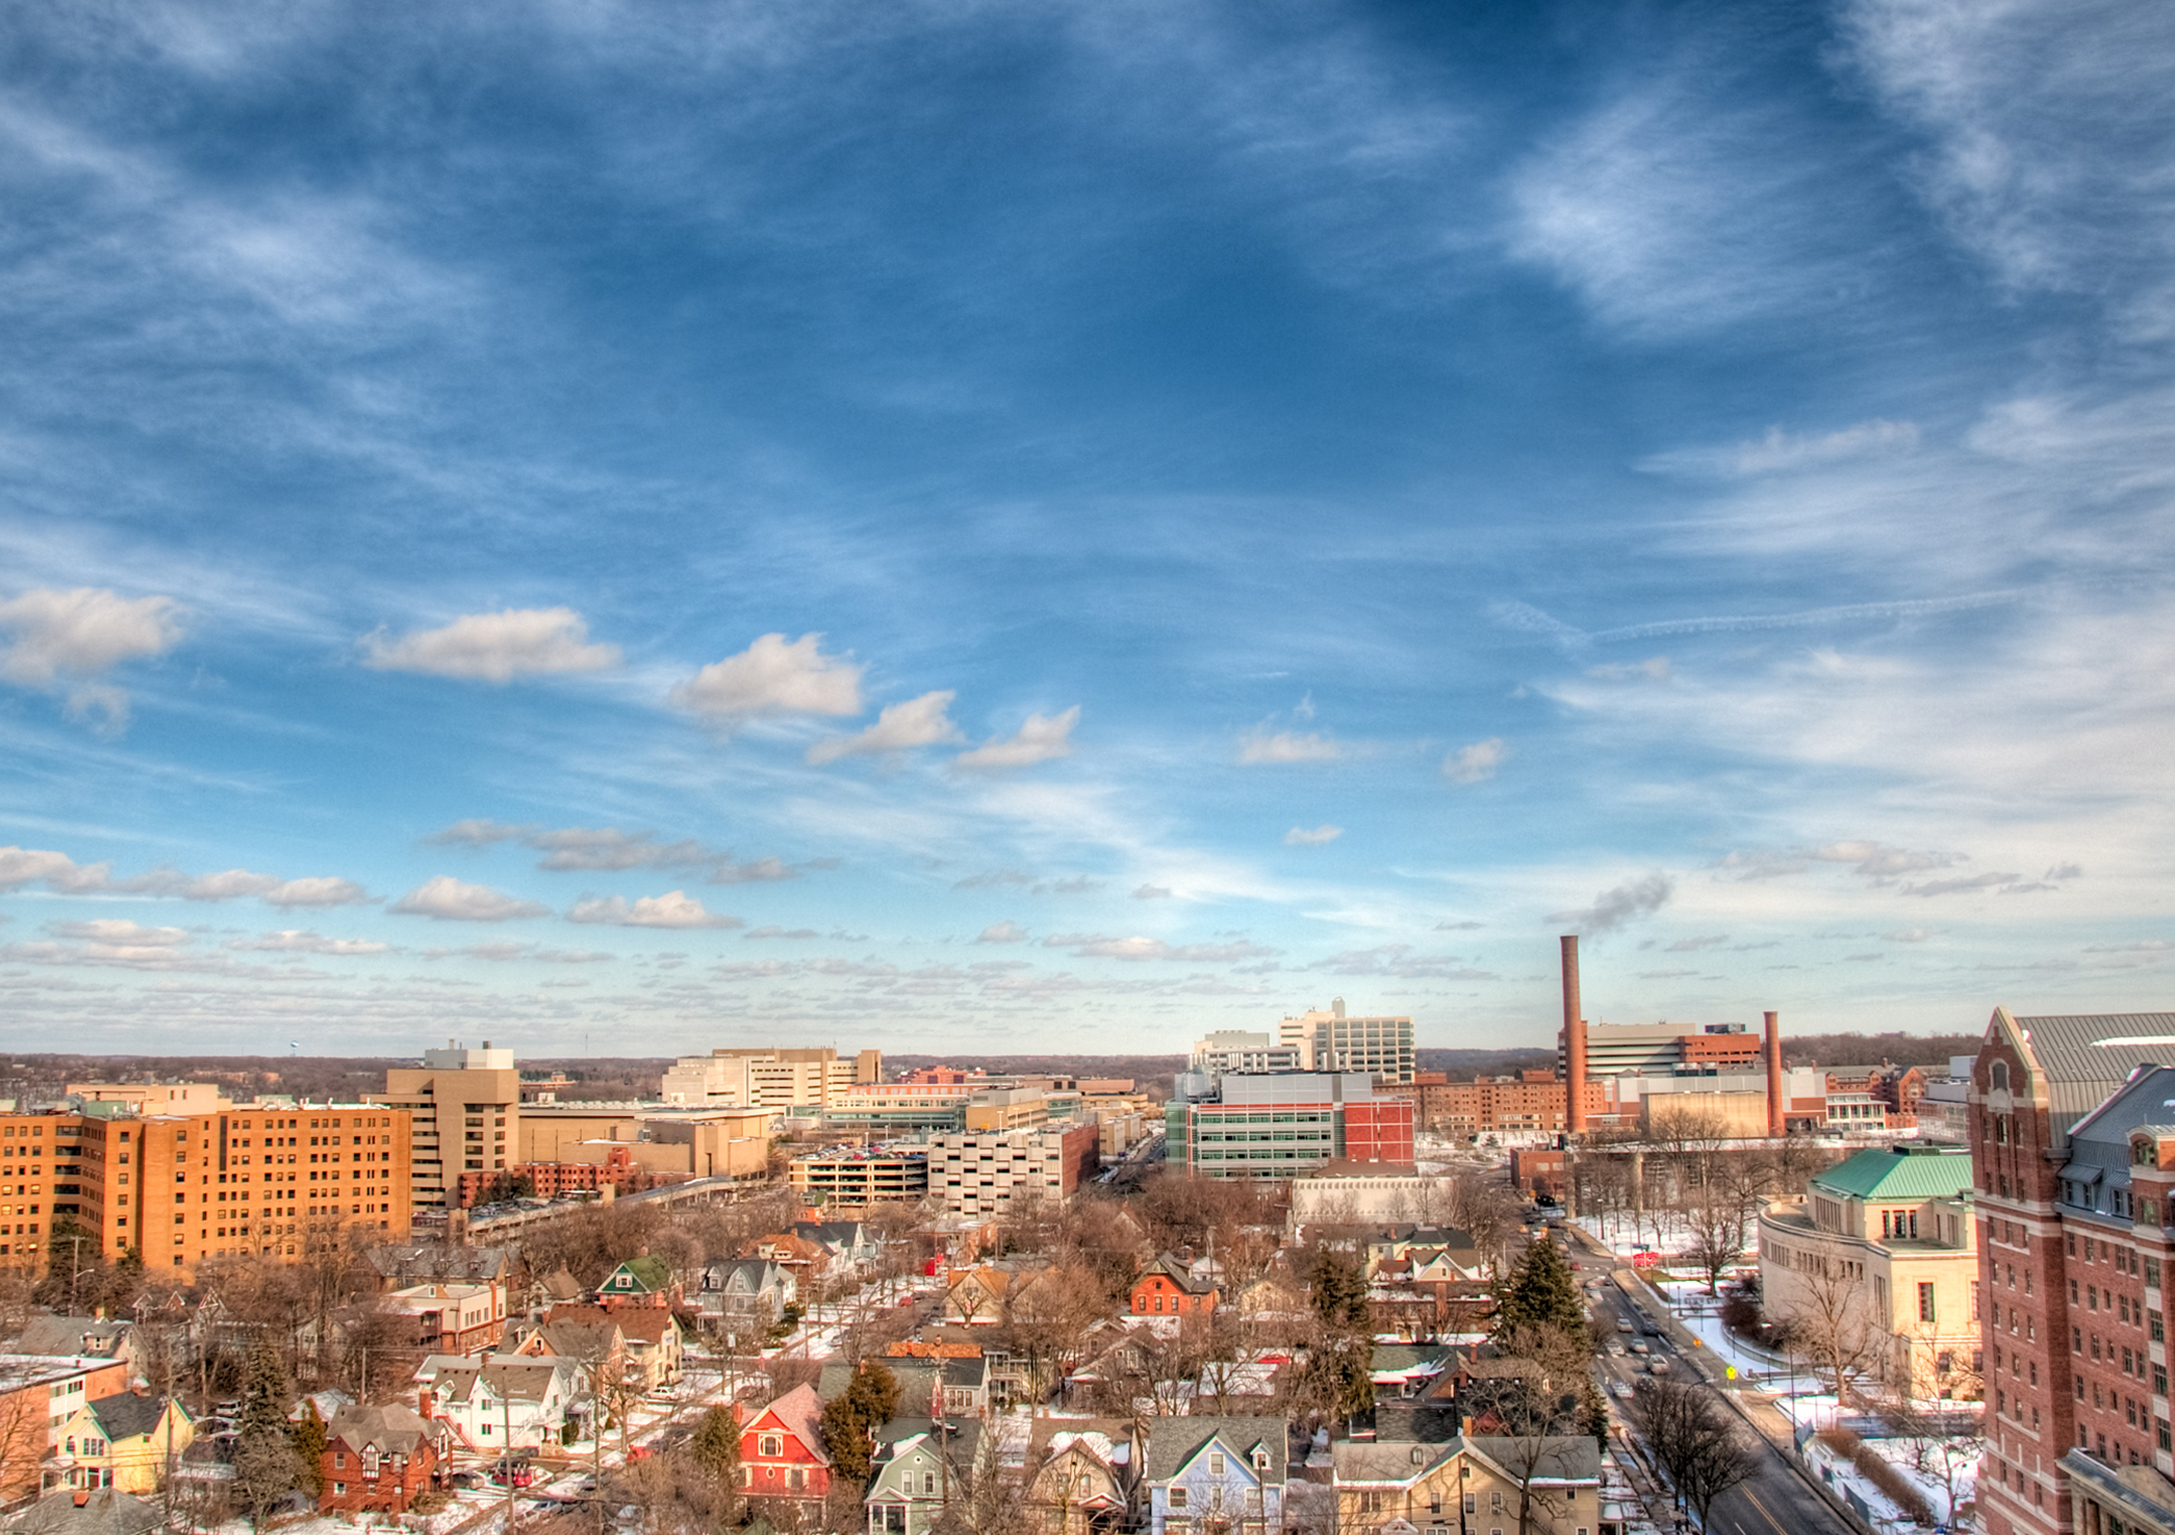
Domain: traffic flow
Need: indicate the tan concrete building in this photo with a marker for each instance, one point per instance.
(768, 1078)
(707, 1143)
(155, 1097)
(464, 1109)
(1379, 1045)
(1882, 1250)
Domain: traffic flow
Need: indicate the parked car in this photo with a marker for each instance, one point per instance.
(513, 1474)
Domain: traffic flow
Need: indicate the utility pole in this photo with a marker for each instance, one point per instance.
(506, 1454)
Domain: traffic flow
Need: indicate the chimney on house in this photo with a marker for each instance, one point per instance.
(1574, 1043)
(1776, 1124)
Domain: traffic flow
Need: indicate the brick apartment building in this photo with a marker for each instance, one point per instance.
(1531, 1101)
(2073, 1156)
(177, 1188)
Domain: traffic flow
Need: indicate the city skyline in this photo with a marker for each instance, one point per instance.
(959, 530)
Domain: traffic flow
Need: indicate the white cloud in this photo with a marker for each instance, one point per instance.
(447, 899)
(1653, 669)
(21, 866)
(774, 677)
(1042, 738)
(495, 647)
(1151, 892)
(82, 632)
(1780, 452)
(1095, 946)
(900, 727)
(674, 909)
(316, 891)
(1614, 907)
(1906, 935)
(611, 848)
(1312, 836)
(114, 932)
(1475, 763)
(300, 941)
(774, 931)
(1287, 746)
(1003, 932)
(478, 831)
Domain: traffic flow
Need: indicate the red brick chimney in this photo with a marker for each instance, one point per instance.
(1574, 1042)
(1776, 1124)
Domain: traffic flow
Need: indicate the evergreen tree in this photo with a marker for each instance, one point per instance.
(851, 1418)
(716, 1447)
(266, 1468)
(1338, 1289)
(1540, 1294)
(310, 1439)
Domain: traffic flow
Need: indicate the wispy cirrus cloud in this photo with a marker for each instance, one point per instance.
(612, 848)
(1285, 746)
(495, 647)
(1138, 949)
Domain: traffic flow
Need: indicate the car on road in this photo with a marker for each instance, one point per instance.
(1641, 1349)
(1658, 1366)
(1623, 1324)
(1619, 1388)
(1616, 1350)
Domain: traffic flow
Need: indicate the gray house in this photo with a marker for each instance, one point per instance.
(920, 1468)
(1225, 1472)
(743, 1294)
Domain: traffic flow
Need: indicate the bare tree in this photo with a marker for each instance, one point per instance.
(1717, 1220)
(1694, 1438)
(1830, 1314)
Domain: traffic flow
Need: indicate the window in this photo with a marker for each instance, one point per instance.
(1925, 1300)
(1178, 1497)
(770, 1446)
(1215, 1463)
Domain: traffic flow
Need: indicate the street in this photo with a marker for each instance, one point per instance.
(1776, 1499)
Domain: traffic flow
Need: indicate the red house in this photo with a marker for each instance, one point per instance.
(782, 1454)
(1168, 1288)
(378, 1460)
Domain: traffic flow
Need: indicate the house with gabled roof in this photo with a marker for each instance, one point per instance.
(640, 1281)
(1474, 1483)
(1083, 1476)
(649, 1335)
(497, 1402)
(743, 1294)
(81, 1337)
(1168, 1288)
(782, 1454)
(848, 1244)
(919, 1468)
(380, 1459)
(1227, 1470)
(129, 1441)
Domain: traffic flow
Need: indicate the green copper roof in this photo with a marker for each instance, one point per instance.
(1900, 1172)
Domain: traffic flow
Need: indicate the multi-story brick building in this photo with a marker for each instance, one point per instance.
(2073, 1155)
(1530, 1103)
(177, 1188)
(1281, 1124)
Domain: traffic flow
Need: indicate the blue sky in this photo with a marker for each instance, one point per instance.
(960, 527)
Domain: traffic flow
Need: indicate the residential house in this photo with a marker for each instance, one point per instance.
(851, 1247)
(1083, 1476)
(649, 1335)
(111, 1512)
(782, 1458)
(1216, 1473)
(400, 1265)
(976, 1297)
(1167, 1288)
(936, 1380)
(37, 1395)
(127, 1441)
(451, 1318)
(496, 1402)
(744, 1295)
(379, 1460)
(1270, 1301)
(919, 1468)
(640, 1281)
(1475, 1484)
(597, 1348)
(81, 1337)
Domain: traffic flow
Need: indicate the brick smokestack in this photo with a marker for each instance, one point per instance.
(1775, 1122)
(1574, 1042)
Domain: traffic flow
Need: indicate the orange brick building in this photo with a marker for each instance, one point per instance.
(275, 1181)
(1532, 1101)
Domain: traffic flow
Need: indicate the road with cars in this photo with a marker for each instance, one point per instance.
(1776, 1499)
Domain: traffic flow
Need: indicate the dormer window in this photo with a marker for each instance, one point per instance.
(2000, 1076)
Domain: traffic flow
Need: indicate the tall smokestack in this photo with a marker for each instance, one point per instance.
(1574, 1042)
(1776, 1126)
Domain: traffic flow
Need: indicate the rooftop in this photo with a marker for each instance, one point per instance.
(1900, 1172)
